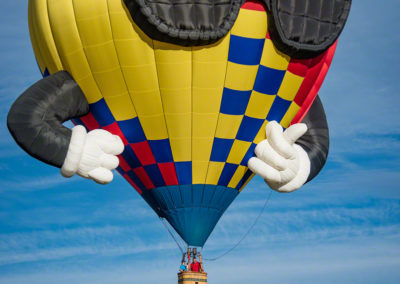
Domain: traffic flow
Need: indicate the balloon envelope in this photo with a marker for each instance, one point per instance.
(190, 117)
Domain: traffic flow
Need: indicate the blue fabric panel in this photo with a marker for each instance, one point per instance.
(278, 109)
(46, 73)
(246, 51)
(132, 130)
(120, 171)
(176, 195)
(244, 179)
(130, 157)
(197, 194)
(250, 153)
(214, 203)
(186, 193)
(102, 113)
(220, 150)
(184, 172)
(234, 102)
(249, 128)
(166, 197)
(136, 180)
(153, 171)
(268, 80)
(161, 150)
(208, 194)
(227, 173)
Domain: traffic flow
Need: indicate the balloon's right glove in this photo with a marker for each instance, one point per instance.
(284, 165)
(92, 155)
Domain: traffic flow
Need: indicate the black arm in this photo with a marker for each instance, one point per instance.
(316, 140)
(35, 119)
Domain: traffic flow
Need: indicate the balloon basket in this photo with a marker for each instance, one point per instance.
(191, 277)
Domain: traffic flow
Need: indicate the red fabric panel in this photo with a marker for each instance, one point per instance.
(144, 178)
(114, 129)
(169, 173)
(133, 184)
(89, 121)
(144, 153)
(123, 164)
(253, 5)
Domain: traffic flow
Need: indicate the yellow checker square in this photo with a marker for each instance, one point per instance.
(207, 100)
(154, 127)
(147, 103)
(199, 172)
(228, 126)
(261, 135)
(248, 180)
(238, 151)
(273, 58)
(290, 114)
(177, 101)
(141, 78)
(240, 77)
(239, 173)
(181, 149)
(290, 86)
(208, 74)
(179, 125)
(204, 125)
(214, 172)
(121, 107)
(201, 149)
(250, 24)
(259, 105)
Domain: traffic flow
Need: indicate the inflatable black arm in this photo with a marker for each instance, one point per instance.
(36, 117)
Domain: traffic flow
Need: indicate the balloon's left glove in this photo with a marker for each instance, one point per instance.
(92, 155)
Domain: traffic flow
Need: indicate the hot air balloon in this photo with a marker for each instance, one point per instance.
(190, 116)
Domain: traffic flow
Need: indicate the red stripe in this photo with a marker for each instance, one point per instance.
(123, 164)
(169, 173)
(318, 83)
(144, 178)
(143, 152)
(299, 67)
(253, 5)
(114, 129)
(89, 121)
(133, 184)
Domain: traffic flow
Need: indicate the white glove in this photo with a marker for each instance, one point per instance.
(92, 155)
(284, 165)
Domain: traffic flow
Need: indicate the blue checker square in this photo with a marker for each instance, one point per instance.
(132, 130)
(161, 150)
(78, 121)
(154, 174)
(246, 51)
(250, 153)
(220, 150)
(136, 180)
(234, 102)
(130, 157)
(184, 172)
(268, 80)
(278, 109)
(102, 113)
(227, 174)
(249, 128)
(244, 179)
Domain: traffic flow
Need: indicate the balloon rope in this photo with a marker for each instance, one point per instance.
(172, 235)
(245, 235)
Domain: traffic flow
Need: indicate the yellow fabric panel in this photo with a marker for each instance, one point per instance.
(273, 58)
(121, 106)
(244, 185)
(240, 77)
(290, 114)
(199, 172)
(238, 150)
(204, 125)
(261, 135)
(290, 86)
(239, 173)
(203, 148)
(154, 126)
(44, 37)
(251, 24)
(177, 100)
(34, 38)
(228, 125)
(259, 105)
(94, 27)
(180, 131)
(207, 100)
(214, 172)
(62, 21)
(181, 148)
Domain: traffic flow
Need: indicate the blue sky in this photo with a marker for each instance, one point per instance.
(343, 227)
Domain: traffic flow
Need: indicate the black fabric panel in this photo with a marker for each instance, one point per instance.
(35, 119)
(306, 28)
(185, 22)
(316, 140)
